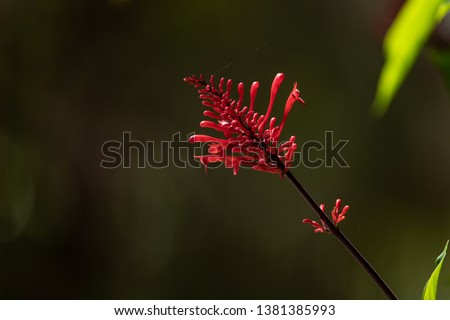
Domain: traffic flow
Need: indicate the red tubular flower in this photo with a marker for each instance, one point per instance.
(317, 227)
(251, 139)
(338, 217)
(335, 215)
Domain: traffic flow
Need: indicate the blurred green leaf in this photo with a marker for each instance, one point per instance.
(430, 290)
(402, 45)
(443, 9)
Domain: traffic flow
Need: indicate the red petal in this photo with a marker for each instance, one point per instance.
(342, 215)
(253, 91)
(273, 92)
(294, 96)
(212, 125)
(241, 95)
(211, 114)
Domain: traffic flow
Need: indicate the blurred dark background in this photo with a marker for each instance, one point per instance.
(75, 74)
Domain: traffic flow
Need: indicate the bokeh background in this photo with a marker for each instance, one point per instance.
(74, 74)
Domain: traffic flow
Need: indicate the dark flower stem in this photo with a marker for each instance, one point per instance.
(341, 237)
(333, 229)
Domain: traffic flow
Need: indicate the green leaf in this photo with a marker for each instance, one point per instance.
(430, 290)
(443, 9)
(402, 45)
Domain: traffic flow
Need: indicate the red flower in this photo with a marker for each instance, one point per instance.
(250, 139)
(338, 217)
(335, 215)
(318, 228)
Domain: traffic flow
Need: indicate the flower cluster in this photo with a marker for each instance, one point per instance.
(251, 139)
(335, 215)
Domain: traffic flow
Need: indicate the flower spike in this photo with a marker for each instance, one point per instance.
(335, 215)
(251, 139)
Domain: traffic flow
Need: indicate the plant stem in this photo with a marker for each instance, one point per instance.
(342, 238)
